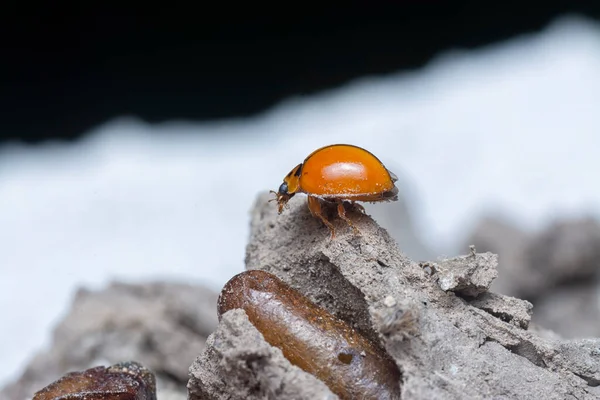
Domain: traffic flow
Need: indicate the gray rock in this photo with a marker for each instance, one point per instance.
(581, 356)
(508, 309)
(455, 350)
(239, 364)
(566, 251)
(509, 242)
(467, 275)
(161, 325)
(572, 311)
(531, 264)
(557, 269)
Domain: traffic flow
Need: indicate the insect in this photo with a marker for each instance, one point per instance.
(336, 174)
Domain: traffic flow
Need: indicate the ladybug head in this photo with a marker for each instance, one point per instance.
(283, 196)
(289, 187)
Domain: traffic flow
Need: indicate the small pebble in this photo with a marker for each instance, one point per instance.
(389, 301)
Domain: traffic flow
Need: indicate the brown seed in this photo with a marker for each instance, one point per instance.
(311, 338)
(126, 381)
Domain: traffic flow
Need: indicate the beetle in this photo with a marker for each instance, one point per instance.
(335, 174)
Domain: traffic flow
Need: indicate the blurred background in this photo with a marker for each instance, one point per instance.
(132, 148)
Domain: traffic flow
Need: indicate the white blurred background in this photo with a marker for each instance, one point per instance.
(511, 129)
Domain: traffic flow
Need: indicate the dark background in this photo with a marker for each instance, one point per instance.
(64, 72)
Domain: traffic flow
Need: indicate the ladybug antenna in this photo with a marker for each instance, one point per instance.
(275, 193)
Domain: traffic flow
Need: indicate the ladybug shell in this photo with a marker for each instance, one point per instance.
(346, 171)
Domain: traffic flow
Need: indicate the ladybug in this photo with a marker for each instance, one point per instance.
(335, 174)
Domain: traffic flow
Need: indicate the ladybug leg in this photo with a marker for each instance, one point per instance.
(314, 205)
(342, 213)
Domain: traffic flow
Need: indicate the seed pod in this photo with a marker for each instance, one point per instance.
(124, 381)
(311, 338)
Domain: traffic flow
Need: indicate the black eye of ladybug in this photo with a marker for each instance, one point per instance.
(283, 189)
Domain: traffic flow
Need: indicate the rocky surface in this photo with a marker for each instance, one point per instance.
(161, 325)
(508, 309)
(446, 344)
(468, 275)
(450, 333)
(557, 269)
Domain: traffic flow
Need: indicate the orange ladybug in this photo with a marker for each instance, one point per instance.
(338, 173)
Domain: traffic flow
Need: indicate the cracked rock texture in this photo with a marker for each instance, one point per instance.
(557, 269)
(161, 325)
(508, 309)
(453, 346)
(467, 275)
